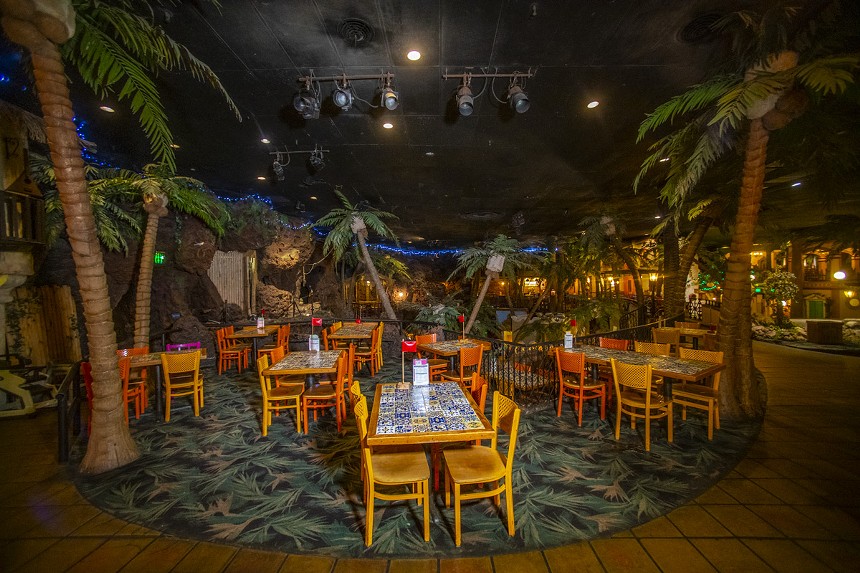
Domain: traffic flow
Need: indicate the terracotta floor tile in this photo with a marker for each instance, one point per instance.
(466, 565)
(574, 558)
(676, 555)
(307, 564)
(111, 556)
(530, 562)
(730, 556)
(160, 556)
(214, 556)
(747, 491)
(841, 556)
(18, 551)
(789, 491)
(741, 521)
(61, 555)
(660, 527)
(255, 561)
(693, 521)
(413, 566)
(623, 555)
(716, 495)
(791, 522)
(753, 469)
(785, 556)
(103, 525)
(360, 566)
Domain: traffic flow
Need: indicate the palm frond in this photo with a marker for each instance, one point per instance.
(696, 98)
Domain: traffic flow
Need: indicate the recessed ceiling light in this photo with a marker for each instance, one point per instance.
(107, 108)
(593, 104)
(313, 197)
(796, 184)
(656, 216)
(414, 55)
(429, 154)
(664, 160)
(260, 178)
(265, 140)
(174, 145)
(387, 125)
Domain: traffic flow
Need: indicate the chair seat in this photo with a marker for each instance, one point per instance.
(320, 392)
(474, 464)
(437, 362)
(285, 392)
(695, 391)
(637, 399)
(574, 383)
(400, 467)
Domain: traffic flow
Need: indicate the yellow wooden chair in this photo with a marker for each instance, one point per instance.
(283, 397)
(475, 465)
(369, 354)
(655, 348)
(574, 384)
(391, 469)
(702, 396)
(670, 336)
(182, 378)
(634, 397)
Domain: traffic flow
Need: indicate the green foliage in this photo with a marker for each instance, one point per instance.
(474, 259)
(388, 266)
(779, 286)
(551, 327)
(339, 219)
(119, 52)
(260, 217)
(444, 312)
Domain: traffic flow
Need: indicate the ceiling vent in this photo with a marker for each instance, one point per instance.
(355, 32)
(700, 29)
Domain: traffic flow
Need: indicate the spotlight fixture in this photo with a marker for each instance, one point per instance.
(316, 160)
(465, 101)
(278, 168)
(517, 98)
(388, 97)
(342, 96)
(306, 102)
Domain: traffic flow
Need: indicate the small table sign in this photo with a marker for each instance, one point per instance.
(420, 372)
(314, 343)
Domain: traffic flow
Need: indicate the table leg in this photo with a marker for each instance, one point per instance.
(158, 392)
(695, 343)
(310, 381)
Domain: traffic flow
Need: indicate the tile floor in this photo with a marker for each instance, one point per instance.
(792, 505)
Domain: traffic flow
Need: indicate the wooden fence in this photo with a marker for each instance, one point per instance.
(234, 275)
(41, 324)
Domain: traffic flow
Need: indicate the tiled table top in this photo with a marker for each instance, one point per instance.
(447, 347)
(306, 361)
(353, 330)
(682, 368)
(425, 414)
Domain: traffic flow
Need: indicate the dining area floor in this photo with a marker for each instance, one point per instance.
(792, 504)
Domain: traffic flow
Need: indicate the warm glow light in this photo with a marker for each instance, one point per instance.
(265, 140)
(174, 145)
(656, 216)
(653, 277)
(414, 55)
(387, 125)
(839, 275)
(850, 293)
(107, 108)
(260, 178)
(664, 160)
(593, 104)
(313, 197)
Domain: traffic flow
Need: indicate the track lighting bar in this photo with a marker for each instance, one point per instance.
(387, 76)
(463, 76)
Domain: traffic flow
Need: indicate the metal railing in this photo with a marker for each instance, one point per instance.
(68, 411)
(22, 219)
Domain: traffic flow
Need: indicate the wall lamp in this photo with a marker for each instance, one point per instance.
(516, 96)
(307, 101)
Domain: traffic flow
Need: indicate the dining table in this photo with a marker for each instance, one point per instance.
(669, 367)
(154, 359)
(435, 413)
(254, 334)
(449, 349)
(307, 363)
(354, 331)
(695, 334)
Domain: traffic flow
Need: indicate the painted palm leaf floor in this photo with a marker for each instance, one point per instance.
(215, 478)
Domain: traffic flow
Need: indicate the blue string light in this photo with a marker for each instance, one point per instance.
(90, 158)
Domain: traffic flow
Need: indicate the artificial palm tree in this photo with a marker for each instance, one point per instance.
(777, 65)
(499, 256)
(157, 186)
(609, 229)
(114, 48)
(350, 220)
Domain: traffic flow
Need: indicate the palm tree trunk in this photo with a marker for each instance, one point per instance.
(143, 295)
(740, 393)
(536, 305)
(374, 276)
(686, 258)
(631, 266)
(673, 297)
(478, 302)
(110, 445)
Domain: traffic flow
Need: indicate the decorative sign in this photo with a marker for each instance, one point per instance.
(420, 372)
(158, 258)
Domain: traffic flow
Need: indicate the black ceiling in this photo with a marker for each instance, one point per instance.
(449, 179)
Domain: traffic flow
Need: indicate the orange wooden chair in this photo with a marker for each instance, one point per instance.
(137, 375)
(656, 348)
(132, 392)
(572, 383)
(614, 343)
(228, 353)
(369, 355)
(437, 365)
(182, 378)
(670, 336)
(327, 395)
(282, 341)
(470, 362)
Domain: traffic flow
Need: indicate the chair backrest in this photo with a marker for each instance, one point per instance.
(425, 338)
(355, 391)
(350, 360)
(695, 325)
(635, 376)
(506, 417)
(284, 334)
(654, 348)
(324, 338)
(186, 364)
(471, 357)
(220, 336)
(265, 382)
(336, 325)
(278, 354)
(705, 356)
(666, 336)
(132, 351)
(183, 346)
(614, 343)
(124, 370)
(478, 390)
(570, 363)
